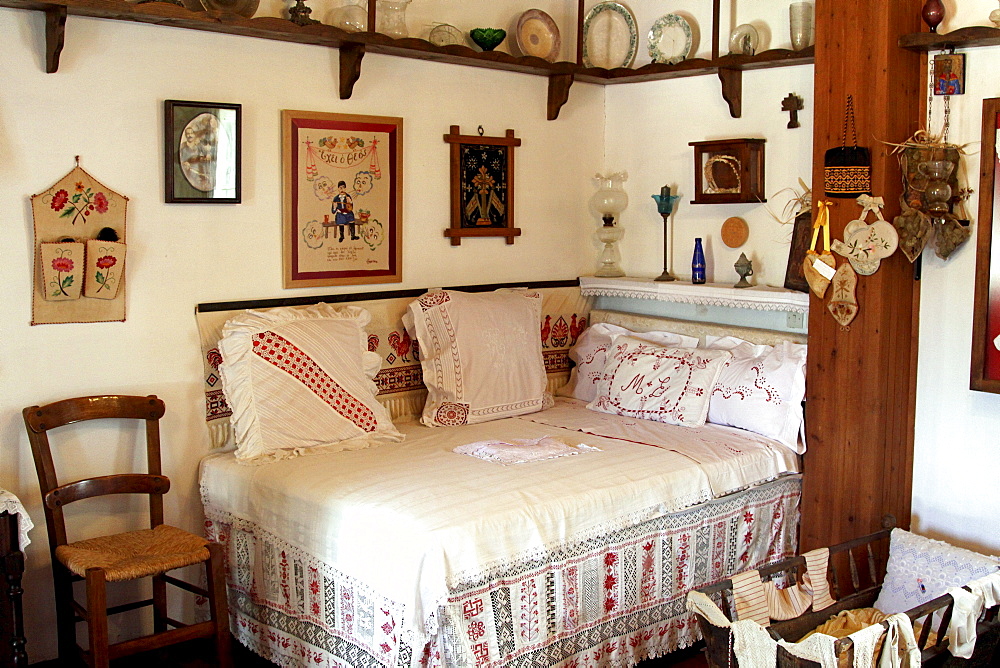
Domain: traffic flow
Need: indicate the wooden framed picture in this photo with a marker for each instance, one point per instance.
(203, 152)
(342, 198)
(949, 74)
(482, 186)
(985, 372)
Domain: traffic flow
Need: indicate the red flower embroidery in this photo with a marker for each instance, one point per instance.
(106, 262)
(101, 203)
(59, 200)
(63, 264)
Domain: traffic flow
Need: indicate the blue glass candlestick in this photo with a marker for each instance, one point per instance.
(665, 206)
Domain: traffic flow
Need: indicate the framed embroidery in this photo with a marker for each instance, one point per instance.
(342, 203)
(203, 152)
(482, 186)
(985, 372)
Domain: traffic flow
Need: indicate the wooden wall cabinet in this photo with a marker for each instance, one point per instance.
(728, 171)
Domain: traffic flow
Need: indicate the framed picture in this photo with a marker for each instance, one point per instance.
(482, 186)
(985, 373)
(203, 152)
(342, 181)
(949, 74)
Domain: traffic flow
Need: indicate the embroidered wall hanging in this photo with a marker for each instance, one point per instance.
(843, 304)
(819, 267)
(79, 275)
(847, 170)
(864, 245)
(482, 186)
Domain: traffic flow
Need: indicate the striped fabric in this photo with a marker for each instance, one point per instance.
(749, 598)
(816, 563)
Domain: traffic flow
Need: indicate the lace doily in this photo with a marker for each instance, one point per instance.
(12, 505)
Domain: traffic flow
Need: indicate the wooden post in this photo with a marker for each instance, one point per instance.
(861, 381)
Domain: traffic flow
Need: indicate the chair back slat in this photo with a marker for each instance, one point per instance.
(79, 409)
(855, 579)
(123, 483)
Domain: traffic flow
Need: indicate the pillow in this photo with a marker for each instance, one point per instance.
(644, 380)
(481, 355)
(299, 379)
(921, 569)
(761, 389)
(590, 355)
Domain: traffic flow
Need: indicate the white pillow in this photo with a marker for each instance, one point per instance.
(298, 380)
(651, 382)
(481, 355)
(590, 354)
(921, 569)
(761, 389)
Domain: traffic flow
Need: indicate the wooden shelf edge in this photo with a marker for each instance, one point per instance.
(961, 38)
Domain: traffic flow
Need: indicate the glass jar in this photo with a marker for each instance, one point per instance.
(390, 18)
(352, 17)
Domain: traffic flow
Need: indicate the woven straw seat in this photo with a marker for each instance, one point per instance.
(134, 554)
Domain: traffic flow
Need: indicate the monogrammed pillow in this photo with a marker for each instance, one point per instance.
(481, 355)
(298, 380)
(761, 389)
(591, 352)
(644, 380)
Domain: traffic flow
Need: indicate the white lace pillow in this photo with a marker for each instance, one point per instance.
(921, 569)
(761, 389)
(481, 355)
(590, 354)
(299, 380)
(644, 380)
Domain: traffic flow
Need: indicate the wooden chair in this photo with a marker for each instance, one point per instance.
(124, 556)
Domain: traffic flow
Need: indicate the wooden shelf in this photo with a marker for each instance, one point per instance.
(353, 47)
(758, 298)
(957, 39)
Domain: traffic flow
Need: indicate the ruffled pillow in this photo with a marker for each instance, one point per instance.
(299, 380)
(672, 385)
(591, 353)
(761, 389)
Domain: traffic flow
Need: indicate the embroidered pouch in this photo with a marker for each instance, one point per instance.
(847, 170)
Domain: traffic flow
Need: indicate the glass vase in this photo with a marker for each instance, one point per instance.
(352, 16)
(390, 18)
(933, 14)
(698, 263)
(800, 23)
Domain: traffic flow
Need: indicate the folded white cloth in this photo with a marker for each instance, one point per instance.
(900, 649)
(519, 451)
(969, 605)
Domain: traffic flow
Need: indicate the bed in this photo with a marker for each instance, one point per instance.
(410, 554)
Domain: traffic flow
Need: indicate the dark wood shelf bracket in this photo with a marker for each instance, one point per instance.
(55, 35)
(732, 90)
(351, 55)
(559, 85)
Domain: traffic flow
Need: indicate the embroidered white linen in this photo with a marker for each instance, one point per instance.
(300, 379)
(410, 519)
(481, 355)
(521, 450)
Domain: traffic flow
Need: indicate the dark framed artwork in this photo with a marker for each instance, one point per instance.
(795, 278)
(949, 74)
(482, 186)
(342, 203)
(203, 152)
(985, 372)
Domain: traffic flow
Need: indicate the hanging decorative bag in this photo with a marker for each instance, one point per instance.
(843, 305)
(866, 245)
(819, 268)
(847, 170)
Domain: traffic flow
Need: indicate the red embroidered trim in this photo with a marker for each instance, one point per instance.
(286, 356)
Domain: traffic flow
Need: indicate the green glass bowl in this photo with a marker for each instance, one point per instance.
(488, 38)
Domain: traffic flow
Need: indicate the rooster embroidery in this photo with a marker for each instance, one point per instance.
(576, 328)
(401, 344)
(546, 328)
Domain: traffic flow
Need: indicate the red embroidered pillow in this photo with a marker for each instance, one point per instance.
(761, 389)
(644, 380)
(296, 381)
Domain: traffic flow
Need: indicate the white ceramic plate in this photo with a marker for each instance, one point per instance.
(744, 40)
(670, 39)
(610, 38)
(537, 35)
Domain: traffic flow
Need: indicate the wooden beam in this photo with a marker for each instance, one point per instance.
(559, 85)
(351, 56)
(55, 35)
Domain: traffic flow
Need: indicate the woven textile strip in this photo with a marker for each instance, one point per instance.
(611, 600)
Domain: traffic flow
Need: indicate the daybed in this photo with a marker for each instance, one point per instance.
(409, 554)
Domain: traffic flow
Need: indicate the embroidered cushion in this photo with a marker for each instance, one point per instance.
(590, 354)
(481, 355)
(761, 389)
(921, 569)
(300, 379)
(644, 380)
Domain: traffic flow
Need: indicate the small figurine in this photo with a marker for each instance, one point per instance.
(744, 267)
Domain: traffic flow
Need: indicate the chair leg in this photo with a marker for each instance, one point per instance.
(97, 622)
(159, 604)
(215, 569)
(65, 615)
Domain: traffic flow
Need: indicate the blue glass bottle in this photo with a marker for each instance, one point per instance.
(698, 263)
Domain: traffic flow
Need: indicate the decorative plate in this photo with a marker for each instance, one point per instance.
(744, 40)
(245, 8)
(537, 35)
(670, 39)
(446, 34)
(735, 232)
(610, 38)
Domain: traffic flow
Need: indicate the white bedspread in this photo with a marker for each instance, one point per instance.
(409, 518)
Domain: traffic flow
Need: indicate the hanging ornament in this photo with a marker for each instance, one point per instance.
(864, 245)
(843, 304)
(819, 268)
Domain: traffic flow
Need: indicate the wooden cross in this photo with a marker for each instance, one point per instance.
(793, 104)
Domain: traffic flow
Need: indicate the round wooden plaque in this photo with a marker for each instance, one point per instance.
(735, 232)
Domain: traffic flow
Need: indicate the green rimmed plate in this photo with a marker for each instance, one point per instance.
(610, 38)
(670, 39)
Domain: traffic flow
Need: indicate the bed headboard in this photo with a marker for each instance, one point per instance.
(565, 314)
(649, 323)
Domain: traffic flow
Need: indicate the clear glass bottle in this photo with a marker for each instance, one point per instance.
(698, 263)
(390, 18)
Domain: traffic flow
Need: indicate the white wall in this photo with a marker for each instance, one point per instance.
(956, 453)
(105, 104)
